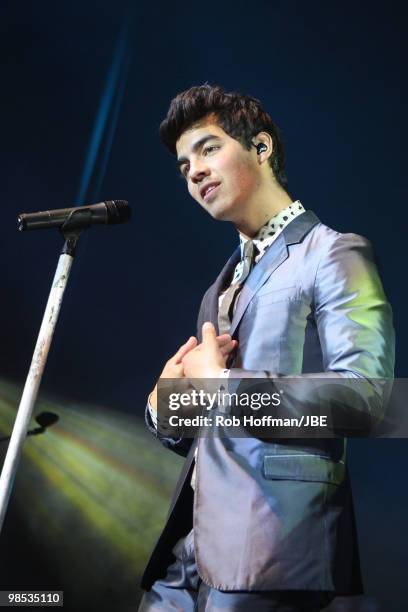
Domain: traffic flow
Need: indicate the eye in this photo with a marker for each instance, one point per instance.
(210, 149)
(183, 171)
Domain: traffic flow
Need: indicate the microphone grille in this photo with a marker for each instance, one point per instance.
(118, 211)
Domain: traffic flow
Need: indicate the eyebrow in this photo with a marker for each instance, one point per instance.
(197, 145)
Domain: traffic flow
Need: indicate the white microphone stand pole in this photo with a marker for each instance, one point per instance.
(38, 362)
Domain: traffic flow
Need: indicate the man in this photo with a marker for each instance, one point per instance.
(257, 523)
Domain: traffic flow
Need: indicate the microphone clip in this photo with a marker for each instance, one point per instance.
(78, 221)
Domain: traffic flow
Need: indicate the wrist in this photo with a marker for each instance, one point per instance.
(152, 400)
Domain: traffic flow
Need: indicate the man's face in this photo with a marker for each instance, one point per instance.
(221, 175)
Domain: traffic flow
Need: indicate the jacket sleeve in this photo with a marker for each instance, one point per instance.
(354, 323)
(181, 446)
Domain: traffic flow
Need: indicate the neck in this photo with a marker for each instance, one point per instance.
(269, 199)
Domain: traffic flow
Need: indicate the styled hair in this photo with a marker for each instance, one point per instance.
(240, 116)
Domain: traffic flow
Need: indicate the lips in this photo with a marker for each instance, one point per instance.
(207, 190)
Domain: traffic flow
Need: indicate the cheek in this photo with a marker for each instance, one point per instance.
(193, 191)
(243, 178)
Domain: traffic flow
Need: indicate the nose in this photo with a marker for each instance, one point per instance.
(198, 170)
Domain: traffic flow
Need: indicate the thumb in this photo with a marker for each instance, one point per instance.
(209, 333)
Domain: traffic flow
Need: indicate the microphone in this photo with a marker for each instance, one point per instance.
(107, 213)
(44, 420)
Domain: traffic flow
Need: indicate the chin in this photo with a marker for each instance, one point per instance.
(222, 212)
(220, 215)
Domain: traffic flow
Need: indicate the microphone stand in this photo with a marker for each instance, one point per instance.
(71, 230)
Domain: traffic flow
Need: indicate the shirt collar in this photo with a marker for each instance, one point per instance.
(272, 228)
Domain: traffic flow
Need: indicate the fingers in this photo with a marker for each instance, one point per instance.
(224, 343)
(227, 349)
(223, 339)
(183, 350)
(209, 333)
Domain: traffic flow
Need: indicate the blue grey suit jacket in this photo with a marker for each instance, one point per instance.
(275, 514)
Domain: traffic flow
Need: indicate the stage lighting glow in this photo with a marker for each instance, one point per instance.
(96, 483)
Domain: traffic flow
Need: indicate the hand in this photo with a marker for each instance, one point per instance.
(208, 359)
(174, 367)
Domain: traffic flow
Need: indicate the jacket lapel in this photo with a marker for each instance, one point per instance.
(273, 258)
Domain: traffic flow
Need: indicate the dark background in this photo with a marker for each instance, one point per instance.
(333, 77)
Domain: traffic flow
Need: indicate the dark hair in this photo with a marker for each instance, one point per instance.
(240, 116)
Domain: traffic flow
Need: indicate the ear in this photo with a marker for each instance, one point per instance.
(266, 151)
